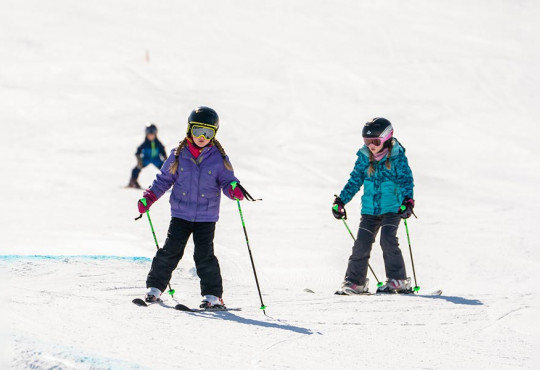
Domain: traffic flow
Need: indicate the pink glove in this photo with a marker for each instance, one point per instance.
(235, 193)
(149, 198)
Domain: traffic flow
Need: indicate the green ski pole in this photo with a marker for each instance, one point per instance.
(263, 307)
(416, 287)
(143, 201)
(379, 283)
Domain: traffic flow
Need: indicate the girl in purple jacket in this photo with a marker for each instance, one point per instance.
(198, 170)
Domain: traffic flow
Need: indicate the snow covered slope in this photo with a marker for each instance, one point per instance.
(293, 83)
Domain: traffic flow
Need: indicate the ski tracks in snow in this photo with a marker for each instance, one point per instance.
(93, 302)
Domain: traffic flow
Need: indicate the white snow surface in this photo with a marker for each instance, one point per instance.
(293, 82)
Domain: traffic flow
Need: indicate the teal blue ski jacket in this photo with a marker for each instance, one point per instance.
(385, 189)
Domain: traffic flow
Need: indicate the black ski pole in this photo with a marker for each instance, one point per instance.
(143, 201)
(263, 307)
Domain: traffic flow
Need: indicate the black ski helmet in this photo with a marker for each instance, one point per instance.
(150, 128)
(203, 116)
(378, 128)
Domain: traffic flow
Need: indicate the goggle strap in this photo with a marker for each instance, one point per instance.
(193, 123)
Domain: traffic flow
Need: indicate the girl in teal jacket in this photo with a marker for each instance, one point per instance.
(382, 168)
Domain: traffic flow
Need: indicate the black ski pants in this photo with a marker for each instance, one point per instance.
(394, 265)
(167, 258)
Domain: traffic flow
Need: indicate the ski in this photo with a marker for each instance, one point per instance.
(139, 302)
(412, 293)
(338, 292)
(437, 292)
(181, 307)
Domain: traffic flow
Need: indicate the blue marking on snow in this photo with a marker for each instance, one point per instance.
(37, 354)
(18, 257)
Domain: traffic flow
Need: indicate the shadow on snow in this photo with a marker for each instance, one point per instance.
(228, 315)
(455, 300)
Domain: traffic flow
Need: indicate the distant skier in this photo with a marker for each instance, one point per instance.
(151, 151)
(382, 168)
(198, 170)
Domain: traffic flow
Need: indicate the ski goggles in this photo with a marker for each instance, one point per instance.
(207, 132)
(372, 141)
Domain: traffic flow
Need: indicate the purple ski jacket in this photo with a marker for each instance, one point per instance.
(196, 185)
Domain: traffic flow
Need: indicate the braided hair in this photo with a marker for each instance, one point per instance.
(390, 145)
(226, 162)
(174, 166)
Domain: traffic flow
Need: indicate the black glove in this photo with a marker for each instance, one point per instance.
(338, 209)
(406, 209)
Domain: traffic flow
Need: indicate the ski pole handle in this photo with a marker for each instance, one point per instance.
(143, 201)
(235, 184)
(403, 208)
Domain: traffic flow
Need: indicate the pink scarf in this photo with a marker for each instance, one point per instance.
(194, 149)
(380, 155)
